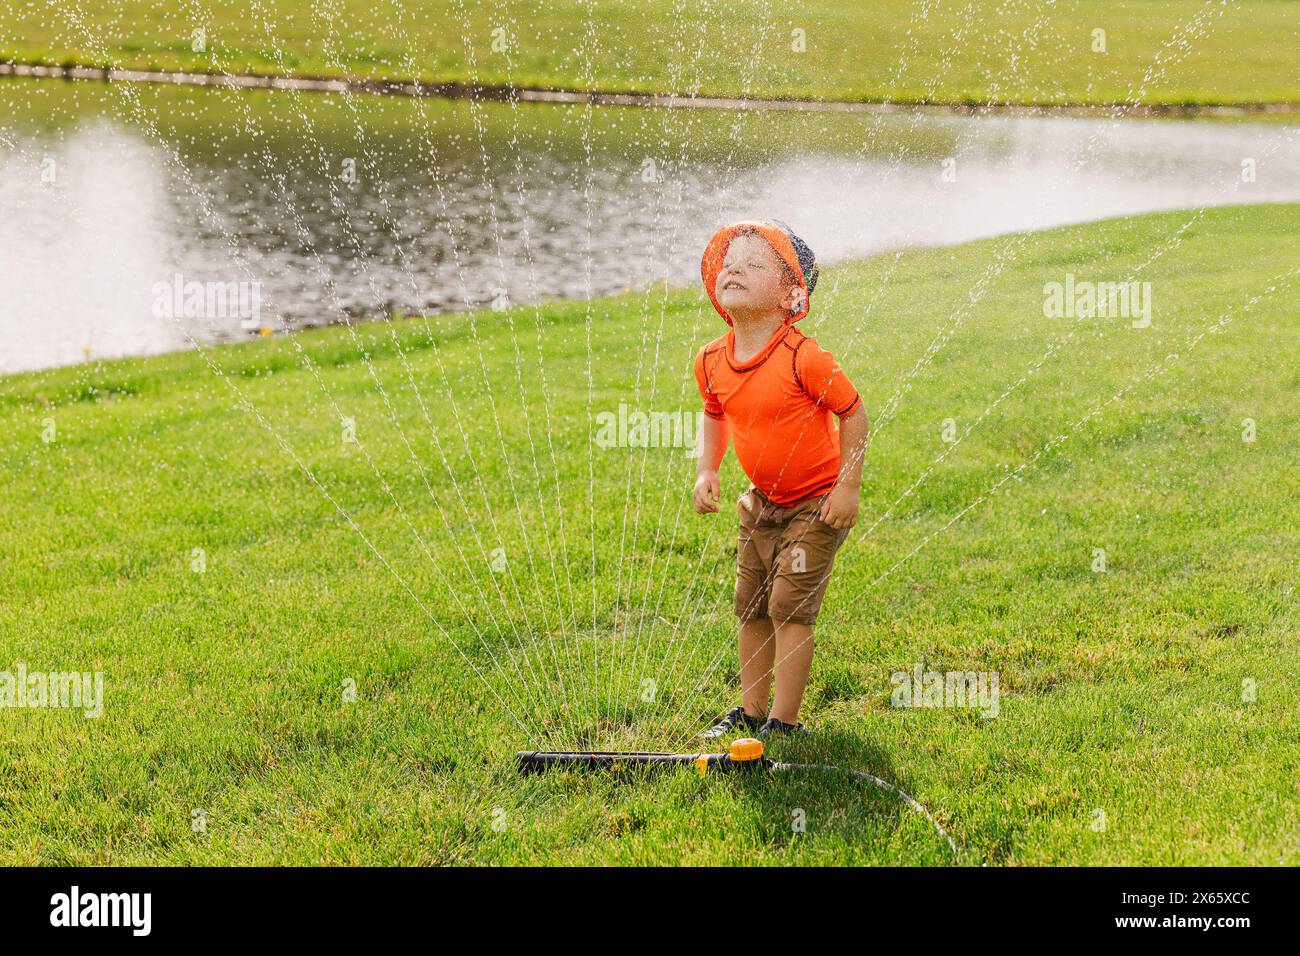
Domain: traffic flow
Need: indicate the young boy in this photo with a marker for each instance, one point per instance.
(777, 393)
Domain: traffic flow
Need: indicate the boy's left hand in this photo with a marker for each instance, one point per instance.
(840, 509)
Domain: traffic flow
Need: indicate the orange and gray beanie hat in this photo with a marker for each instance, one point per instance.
(792, 250)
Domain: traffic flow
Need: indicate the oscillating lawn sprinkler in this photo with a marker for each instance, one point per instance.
(745, 754)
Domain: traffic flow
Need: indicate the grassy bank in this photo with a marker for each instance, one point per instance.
(1179, 52)
(162, 532)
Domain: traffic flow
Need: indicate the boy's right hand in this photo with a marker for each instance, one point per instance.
(707, 492)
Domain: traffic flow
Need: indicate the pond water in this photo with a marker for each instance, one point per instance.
(284, 210)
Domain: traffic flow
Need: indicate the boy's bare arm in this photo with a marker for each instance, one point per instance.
(840, 509)
(715, 435)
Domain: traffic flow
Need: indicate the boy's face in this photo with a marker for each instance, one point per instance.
(753, 281)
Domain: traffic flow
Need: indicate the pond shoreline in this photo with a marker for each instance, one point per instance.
(453, 90)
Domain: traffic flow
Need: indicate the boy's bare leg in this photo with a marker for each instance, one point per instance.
(794, 654)
(757, 651)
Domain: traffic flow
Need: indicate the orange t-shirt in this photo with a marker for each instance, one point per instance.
(780, 405)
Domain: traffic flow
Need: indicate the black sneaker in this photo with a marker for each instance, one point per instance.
(736, 719)
(776, 728)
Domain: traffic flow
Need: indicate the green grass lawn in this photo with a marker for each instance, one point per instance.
(561, 593)
(1020, 51)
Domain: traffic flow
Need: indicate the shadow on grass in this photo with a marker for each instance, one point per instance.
(783, 816)
(847, 816)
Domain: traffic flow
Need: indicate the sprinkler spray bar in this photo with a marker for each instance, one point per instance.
(745, 754)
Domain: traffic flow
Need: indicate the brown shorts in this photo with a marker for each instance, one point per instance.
(784, 558)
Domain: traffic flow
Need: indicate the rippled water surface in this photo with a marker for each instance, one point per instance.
(333, 208)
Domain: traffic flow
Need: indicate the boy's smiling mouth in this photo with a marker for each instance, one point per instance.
(732, 284)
